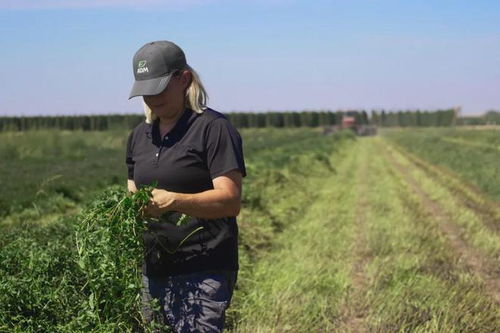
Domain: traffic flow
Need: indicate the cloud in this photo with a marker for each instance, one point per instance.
(77, 4)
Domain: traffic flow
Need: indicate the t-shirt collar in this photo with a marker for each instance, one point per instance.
(177, 131)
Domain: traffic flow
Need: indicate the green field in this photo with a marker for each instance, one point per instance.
(395, 233)
(474, 155)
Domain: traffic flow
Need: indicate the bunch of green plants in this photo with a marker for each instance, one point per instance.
(82, 274)
(109, 255)
(110, 251)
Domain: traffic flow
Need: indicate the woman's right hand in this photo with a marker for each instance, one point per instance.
(131, 186)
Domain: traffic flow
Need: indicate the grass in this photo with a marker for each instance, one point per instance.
(475, 231)
(417, 283)
(75, 165)
(40, 164)
(296, 286)
(411, 280)
(471, 154)
(333, 235)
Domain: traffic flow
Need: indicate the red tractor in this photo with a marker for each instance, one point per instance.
(353, 121)
(349, 122)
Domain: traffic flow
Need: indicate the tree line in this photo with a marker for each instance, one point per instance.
(491, 117)
(238, 119)
(381, 118)
(415, 118)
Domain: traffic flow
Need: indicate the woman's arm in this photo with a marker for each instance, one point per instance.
(223, 201)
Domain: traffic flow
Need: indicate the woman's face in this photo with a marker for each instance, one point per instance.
(170, 101)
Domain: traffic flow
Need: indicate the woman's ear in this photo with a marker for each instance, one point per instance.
(186, 78)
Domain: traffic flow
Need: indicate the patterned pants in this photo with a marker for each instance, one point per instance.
(188, 303)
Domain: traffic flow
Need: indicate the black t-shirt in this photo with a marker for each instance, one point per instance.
(199, 148)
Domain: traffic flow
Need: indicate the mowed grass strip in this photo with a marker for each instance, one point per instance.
(354, 308)
(418, 284)
(413, 282)
(468, 195)
(474, 230)
(299, 285)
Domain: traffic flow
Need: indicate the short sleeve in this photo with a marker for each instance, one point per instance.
(224, 148)
(129, 160)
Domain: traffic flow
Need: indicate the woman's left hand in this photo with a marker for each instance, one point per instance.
(161, 202)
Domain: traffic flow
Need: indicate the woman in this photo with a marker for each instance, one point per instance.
(195, 156)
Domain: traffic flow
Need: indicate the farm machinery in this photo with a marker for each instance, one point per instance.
(354, 121)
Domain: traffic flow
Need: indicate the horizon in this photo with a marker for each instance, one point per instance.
(74, 57)
(369, 113)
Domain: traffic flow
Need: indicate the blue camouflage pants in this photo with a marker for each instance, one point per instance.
(188, 303)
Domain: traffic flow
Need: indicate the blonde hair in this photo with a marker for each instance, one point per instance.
(196, 97)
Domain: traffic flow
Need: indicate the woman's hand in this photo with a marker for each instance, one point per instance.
(224, 200)
(161, 202)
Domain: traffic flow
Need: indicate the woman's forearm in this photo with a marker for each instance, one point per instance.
(209, 204)
(224, 200)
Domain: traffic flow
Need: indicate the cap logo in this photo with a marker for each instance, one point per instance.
(141, 67)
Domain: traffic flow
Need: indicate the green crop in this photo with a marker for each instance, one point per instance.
(472, 155)
(95, 264)
(109, 248)
(110, 255)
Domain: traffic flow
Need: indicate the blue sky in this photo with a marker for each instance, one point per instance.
(75, 56)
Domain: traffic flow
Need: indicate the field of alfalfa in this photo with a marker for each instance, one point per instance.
(393, 233)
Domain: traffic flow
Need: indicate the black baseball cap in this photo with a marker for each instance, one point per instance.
(154, 64)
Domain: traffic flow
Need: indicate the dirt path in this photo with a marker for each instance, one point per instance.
(481, 266)
(356, 308)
